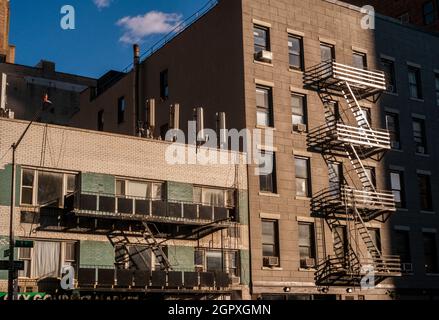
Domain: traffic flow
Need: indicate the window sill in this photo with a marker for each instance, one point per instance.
(264, 127)
(303, 133)
(272, 268)
(422, 155)
(267, 64)
(397, 150)
(294, 70)
(395, 94)
(432, 274)
(269, 194)
(428, 212)
(303, 198)
(307, 270)
(402, 209)
(417, 99)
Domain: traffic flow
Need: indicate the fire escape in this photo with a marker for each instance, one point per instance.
(139, 229)
(352, 199)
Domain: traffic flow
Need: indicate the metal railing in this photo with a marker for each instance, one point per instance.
(110, 205)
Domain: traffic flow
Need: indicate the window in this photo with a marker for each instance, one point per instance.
(430, 253)
(389, 71)
(214, 261)
(436, 76)
(270, 240)
(164, 84)
(139, 189)
(397, 186)
(214, 197)
(415, 86)
(359, 60)
(428, 12)
(295, 47)
(402, 245)
(327, 52)
(335, 173)
(367, 114)
(306, 244)
(370, 172)
(27, 187)
(303, 185)
(121, 106)
(233, 263)
(392, 125)
(419, 136)
(376, 237)
(44, 260)
(264, 106)
(298, 106)
(267, 172)
(101, 120)
(262, 38)
(425, 192)
(44, 188)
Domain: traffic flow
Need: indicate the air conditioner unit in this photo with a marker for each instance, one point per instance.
(390, 88)
(271, 261)
(394, 144)
(265, 56)
(407, 267)
(236, 281)
(420, 150)
(300, 127)
(309, 263)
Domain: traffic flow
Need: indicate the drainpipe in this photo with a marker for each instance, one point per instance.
(138, 125)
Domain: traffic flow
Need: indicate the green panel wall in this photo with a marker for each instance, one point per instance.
(180, 191)
(96, 253)
(243, 207)
(102, 183)
(181, 258)
(245, 266)
(5, 185)
(4, 245)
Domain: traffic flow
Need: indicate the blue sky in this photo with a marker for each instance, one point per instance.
(103, 35)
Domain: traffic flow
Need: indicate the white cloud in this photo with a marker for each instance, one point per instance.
(153, 22)
(102, 3)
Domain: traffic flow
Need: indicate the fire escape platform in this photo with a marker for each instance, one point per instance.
(330, 74)
(334, 271)
(335, 137)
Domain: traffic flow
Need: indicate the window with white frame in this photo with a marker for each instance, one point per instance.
(206, 260)
(222, 198)
(46, 259)
(139, 189)
(46, 188)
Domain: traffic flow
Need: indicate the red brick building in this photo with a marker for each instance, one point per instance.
(418, 12)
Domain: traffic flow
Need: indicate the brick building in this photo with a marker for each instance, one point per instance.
(114, 208)
(267, 65)
(7, 51)
(422, 13)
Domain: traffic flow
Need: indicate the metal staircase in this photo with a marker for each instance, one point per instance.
(147, 240)
(355, 201)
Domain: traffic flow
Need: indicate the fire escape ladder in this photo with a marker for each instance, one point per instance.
(120, 239)
(359, 168)
(371, 247)
(354, 106)
(156, 248)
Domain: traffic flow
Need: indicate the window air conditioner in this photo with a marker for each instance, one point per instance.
(407, 267)
(236, 280)
(390, 88)
(420, 150)
(394, 144)
(310, 263)
(265, 56)
(300, 127)
(271, 261)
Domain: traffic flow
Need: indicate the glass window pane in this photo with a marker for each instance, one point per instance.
(301, 168)
(214, 261)
(50, 188)
(213, 197)
(263, 118)
(301, 187)
(326, 52)
(71, 183)
(138, 189)
(268, 250)
(120, 187)
(396, 181)
(28, 178)
(262, 99)
(26, 196)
